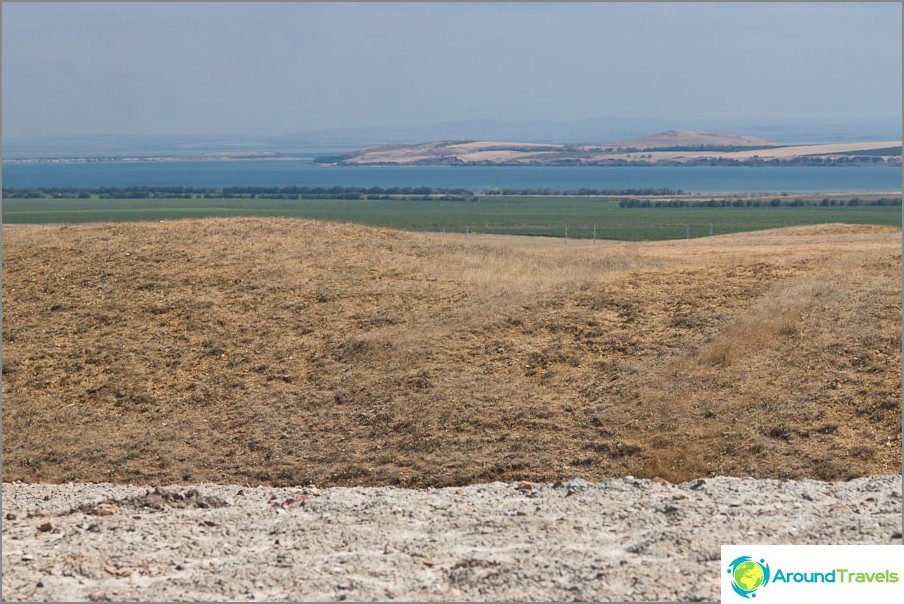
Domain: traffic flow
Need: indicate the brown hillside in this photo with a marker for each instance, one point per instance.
(280, 351)
(691, 138)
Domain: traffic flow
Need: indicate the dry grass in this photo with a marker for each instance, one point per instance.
(280, 352)
(813, 149)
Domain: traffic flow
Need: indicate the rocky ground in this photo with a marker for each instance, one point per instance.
(623, 539)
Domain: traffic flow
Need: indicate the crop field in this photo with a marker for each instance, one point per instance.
(282, 351)
(524, 215)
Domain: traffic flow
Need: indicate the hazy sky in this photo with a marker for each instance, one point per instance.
(229, 68)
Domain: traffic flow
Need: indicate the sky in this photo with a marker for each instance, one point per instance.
(281, 68)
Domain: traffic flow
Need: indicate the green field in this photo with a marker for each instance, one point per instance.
(494, 214)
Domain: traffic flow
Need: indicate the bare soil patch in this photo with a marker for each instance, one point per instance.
(285, 352)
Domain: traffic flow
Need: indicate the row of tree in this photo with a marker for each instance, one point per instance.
(293, 192)
(758, 203)
(419, 193)
(539, 192)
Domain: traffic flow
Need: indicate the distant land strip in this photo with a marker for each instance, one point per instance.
(672, 148)
(216, 156)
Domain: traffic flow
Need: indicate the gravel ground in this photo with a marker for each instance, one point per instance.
(623, 539)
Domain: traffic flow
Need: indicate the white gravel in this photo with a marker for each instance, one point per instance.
(625, 539)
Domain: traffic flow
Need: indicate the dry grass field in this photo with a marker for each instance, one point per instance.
(824, 149)
(645, 148)
(283, 352)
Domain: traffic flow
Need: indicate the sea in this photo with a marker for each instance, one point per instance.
(303, 172)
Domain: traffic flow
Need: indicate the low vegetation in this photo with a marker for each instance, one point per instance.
(635, 217)
(281, 351)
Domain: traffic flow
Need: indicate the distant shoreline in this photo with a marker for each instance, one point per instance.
(253, 156)
(835, 161)
(679, 148)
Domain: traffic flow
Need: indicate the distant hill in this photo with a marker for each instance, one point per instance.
(672, 147)
(692, 138)
(786, 131)
(669, 147)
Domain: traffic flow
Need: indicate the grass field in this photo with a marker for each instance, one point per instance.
(288, 351)
(549, 216)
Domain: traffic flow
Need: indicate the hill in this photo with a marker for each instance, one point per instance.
(280, 351)
(674, 147)
(690, 138)
(786, 131)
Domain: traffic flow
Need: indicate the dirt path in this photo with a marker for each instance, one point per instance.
(621, 539)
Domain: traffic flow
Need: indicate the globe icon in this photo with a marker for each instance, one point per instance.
(748, 575)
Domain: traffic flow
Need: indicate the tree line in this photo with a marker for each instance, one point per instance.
(758, 203)
(303, 192)
(420, 194)
(540, 192)
(291, 192)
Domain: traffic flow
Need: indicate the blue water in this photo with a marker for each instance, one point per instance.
(304, 173)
